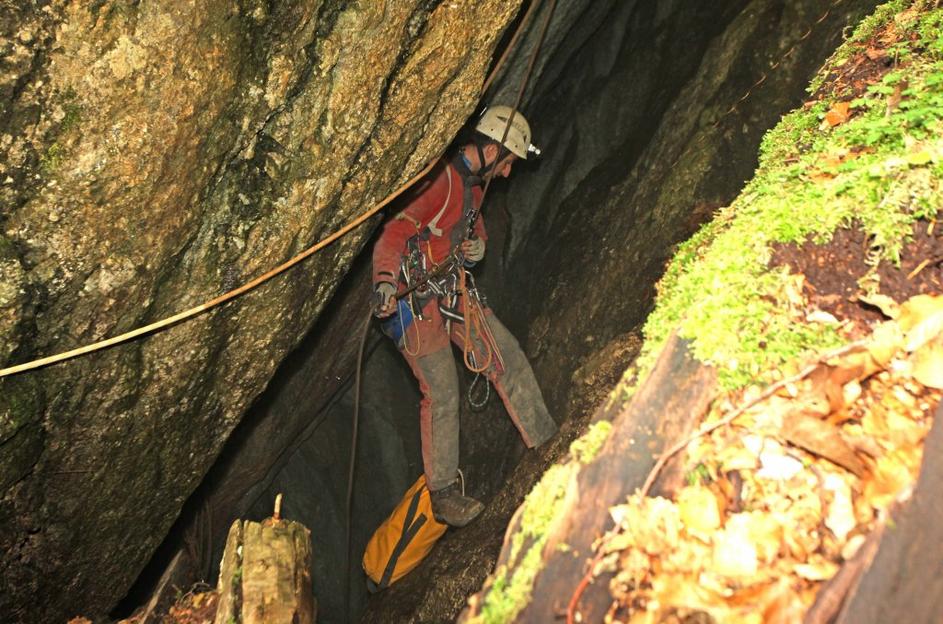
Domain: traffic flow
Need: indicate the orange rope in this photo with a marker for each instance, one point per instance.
(475, 319)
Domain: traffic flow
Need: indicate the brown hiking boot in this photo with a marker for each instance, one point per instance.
(452, 507)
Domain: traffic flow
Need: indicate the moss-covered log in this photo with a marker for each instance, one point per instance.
(548, 561)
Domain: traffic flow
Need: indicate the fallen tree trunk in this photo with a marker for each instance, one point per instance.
(265, 576)
(906, 575)
(662, 412)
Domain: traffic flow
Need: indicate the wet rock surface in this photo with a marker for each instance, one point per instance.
(153, 156)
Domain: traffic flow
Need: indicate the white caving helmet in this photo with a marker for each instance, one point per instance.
(493, 123)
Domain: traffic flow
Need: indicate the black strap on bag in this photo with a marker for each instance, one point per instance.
(411, 526)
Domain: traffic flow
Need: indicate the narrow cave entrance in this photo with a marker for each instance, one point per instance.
(640, 110)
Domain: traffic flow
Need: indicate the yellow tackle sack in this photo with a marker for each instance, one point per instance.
(403, 540)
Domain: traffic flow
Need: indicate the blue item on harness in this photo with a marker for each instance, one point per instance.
(395, 324)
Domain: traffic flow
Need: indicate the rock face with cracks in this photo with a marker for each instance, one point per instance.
(155, 155)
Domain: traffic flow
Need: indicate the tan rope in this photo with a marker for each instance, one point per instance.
(232, 294)
(525, 22)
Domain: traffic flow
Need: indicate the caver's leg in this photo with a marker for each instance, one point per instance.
(439, 424)
(517, 386)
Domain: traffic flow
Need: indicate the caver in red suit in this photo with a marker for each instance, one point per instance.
(425, 232)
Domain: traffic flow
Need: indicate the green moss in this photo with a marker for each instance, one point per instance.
(52, 159)
(509, 594)
(718, 288)
(584, 448)
(869, 26)
(508, 597)
(865, 30)
(73, 116)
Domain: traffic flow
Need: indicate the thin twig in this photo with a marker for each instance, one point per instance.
(729, 418)
(663, 459)
(919, 268)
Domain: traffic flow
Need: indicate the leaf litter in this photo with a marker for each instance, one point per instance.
(780, 498)
(791, 485)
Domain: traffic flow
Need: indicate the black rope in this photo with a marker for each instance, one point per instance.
(353, 457)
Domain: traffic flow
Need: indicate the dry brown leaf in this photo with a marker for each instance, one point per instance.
(763, 530)
(699, 511)
(737, 458)
(886, 341)
(683, 589)
(822, 439)
(778, 465)
(851, 391)
(887, 306)
(864, 444)
(916, 309)
(821, 317)
(840, 519)
(833, 160)
(890, 34)
(821, 176)
(875, 54)
(902, 431)
(925, 331)
(783, 605)
(928, 365)
(734, 554)
(851, 547)
(853, 366)
(891, 476)
(838, 114)
(644, 617)
(817, 569)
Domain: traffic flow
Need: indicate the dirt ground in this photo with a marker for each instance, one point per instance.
(832, 272)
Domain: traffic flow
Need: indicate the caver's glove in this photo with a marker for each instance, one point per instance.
(473, 249)
(386, 302)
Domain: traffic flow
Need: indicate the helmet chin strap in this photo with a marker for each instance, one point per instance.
(482, 167)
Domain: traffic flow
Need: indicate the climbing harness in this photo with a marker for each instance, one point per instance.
(409, 289)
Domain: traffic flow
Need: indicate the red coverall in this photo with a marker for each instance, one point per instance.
(437, 204)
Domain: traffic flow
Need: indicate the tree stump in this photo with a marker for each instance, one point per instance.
(265, 575)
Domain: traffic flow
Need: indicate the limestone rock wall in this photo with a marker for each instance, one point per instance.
(152, 156)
